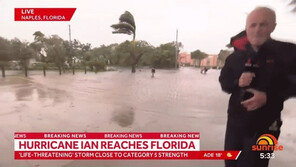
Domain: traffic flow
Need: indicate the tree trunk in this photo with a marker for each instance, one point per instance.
(60, 70)
(133, 55)
(3, 71)
(73, 70)
(133, 68)
(44, 71)
(26, 71)
(85, 70)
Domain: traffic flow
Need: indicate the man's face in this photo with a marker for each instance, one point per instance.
(260, 24)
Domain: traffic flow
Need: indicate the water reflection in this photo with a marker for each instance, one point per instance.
(30, 91)
(124, 117)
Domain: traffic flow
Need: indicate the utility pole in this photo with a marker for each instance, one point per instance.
(177, 51)
(72, 62)
(70, 34)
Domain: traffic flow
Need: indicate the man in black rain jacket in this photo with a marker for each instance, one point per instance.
(269, 85)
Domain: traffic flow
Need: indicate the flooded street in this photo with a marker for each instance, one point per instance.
(117, 101)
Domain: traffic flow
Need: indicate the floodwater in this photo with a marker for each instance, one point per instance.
(173, 101)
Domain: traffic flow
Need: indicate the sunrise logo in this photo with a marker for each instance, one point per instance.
(267, 142)
(267, 139)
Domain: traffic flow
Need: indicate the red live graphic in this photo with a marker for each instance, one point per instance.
(43, 14)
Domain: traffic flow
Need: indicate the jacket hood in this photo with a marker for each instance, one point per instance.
(239, 41)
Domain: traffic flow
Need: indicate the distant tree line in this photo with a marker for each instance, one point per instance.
(55, 53)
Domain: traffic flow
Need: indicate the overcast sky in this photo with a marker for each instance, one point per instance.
(203, 24)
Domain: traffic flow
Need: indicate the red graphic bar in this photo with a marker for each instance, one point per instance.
(107, 135)
(128, 155)
(43, 14)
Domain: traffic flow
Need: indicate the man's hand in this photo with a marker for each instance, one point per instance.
(245, 79)
(255, 102)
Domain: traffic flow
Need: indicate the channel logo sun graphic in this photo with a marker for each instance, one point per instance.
(267, 142)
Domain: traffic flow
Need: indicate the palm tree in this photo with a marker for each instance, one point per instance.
(38, 36)
(293, 3)
(38, 45)
(127, 26)
(198, 55)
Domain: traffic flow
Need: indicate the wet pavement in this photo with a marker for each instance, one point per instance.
(118, 101)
